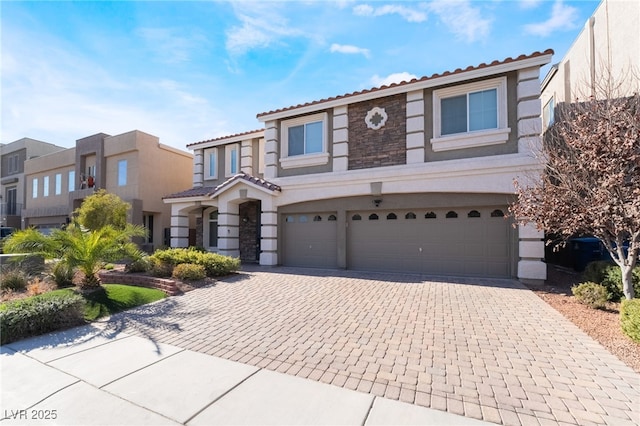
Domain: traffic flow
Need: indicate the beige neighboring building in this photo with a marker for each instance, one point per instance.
(134, 165)
(610, 40)
(12, 184)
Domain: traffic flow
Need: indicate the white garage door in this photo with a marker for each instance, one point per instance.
(310, 240)
(456, 241)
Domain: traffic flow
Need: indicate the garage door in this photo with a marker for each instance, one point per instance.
(310, 240)
(456, 241)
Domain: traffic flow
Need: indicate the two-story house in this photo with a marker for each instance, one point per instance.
(12, 183)
(134, 165)
(411, 177)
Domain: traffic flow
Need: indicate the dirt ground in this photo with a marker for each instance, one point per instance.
(603, 325)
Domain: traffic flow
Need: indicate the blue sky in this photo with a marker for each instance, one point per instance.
(190, 71)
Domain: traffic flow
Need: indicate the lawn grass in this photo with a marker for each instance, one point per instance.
(112, 298)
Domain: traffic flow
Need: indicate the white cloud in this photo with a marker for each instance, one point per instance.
(529, 4)
(462, 19)
(349, 49)
(169, 44)
(260, 26)
(563, 18)
(408, 14)
(391, 78)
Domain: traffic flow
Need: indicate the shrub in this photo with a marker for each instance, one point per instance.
(13, 279)
(62, 274)
(596, 271)
(630, 318)
(142, 264)
(590, 294)
(189, 271)
(613, 282)
(37, 315)
(159, 268)
(215, 265)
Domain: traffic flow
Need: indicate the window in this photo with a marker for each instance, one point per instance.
(410, 215)
(232, 159)
(12, 200)
(122, 172)
(332, 218)
(304, 141)
(72, 180)
(303, 219)
(58, 188)
(213, 229)
(451, 215)
(392, 216)
(14, 161)
(147, 222)
(45, 186)
(430, 215)
(356, 217)
(473, 213)
(373, 216)
(470, 115)
(211, 163)
(317, 218)
(34, 188)
(497, 213)
(547, 113)
(290, 219)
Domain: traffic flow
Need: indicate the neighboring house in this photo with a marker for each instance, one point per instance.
(133, 165)
(12, 182)
(411, 177)
(607, 46)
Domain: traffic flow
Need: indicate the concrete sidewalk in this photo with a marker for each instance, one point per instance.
(92, 375)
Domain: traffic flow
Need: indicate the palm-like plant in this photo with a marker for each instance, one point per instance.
(80, 248)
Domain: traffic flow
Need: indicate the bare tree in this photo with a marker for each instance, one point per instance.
(591, 179)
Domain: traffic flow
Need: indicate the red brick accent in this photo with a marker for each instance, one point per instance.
(169, 286)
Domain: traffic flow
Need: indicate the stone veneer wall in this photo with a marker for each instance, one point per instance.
(248, 230)
(386, 146)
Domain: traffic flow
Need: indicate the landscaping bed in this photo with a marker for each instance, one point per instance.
(603, 325)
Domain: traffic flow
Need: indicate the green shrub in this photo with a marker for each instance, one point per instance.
(38, 315)
(613, 282)
(215, 265)
(13, 279)
(160, 268)
(142, 264)
(590, 294)
(62, 274)
(596, 271)
(630, 318)
(189, 271)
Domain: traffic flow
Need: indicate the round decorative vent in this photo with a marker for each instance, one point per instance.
(376, 118)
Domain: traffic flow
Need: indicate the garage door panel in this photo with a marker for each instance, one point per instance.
(310, 240)
(468, 242)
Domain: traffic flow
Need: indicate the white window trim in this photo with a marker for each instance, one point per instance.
(304, 160)
(475, 138)
(227, 159)
(206, 225)
(207, 163)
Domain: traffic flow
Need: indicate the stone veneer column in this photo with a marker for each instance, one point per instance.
(531, 241)
(340, 139)
(269, 233)
(179, 228)
(415, 127)
(271, 149)
(198, 168)
(228, 230)
(246, 157)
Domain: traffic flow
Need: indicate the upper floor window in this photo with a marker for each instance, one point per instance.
(45, 186)
(232, 159)
(211, 163)
(58, 189)
(122, 172)
(547, 113)
(470, 115)
(14, 164)
(304, 141)
(34, 188)
(72, 180)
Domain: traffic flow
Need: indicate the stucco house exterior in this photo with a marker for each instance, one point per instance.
(412, 177)
(609, 43)
(133, 165)
(12, 183)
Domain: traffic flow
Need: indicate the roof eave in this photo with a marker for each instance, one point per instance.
(538, 60)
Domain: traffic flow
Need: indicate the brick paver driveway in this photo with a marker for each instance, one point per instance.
(487, 349)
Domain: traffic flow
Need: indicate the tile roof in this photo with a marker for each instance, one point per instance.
(208, 191)
(415, 80)
(225, 137)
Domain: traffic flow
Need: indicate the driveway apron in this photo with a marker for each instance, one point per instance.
(487, 349)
